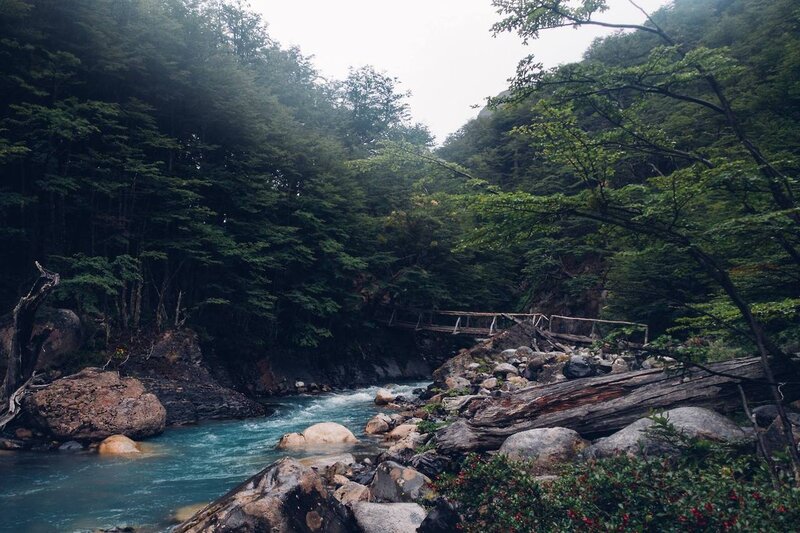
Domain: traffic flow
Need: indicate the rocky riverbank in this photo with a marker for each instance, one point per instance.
(496, 397)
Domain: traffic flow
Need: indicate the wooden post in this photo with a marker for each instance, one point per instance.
(493, 325)
(458, 323)
(419, 320)
(391, 319)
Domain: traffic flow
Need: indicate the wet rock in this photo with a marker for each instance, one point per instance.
(324, 433)
(579, 367)
(378, 424)
(388, 517)
(23, 433)
(384, 397)
(93, 405)
(544, 447)
(118, 445)
(696, 422)
(395, 483)
(285, 496)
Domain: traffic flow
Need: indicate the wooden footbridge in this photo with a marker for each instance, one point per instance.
(488, 324)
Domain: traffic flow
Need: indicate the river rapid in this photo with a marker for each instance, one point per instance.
(61, 491)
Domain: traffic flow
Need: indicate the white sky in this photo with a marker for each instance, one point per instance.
(441, 50)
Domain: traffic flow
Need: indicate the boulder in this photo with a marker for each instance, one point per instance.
(285, 496)
(384, 397)
(93, 405)
(696, 422)
(352, 492)
(388, 517)
(378, 424)
(544, 447)
(324, 433)
(579, 367)
(395, 483)
(61, 334)
(118, 445)
(504, 369)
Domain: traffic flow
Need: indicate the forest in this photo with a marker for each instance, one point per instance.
(179, 166)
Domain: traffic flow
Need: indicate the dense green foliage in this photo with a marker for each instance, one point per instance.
(715, 490)
(658, 177)
(175, 164)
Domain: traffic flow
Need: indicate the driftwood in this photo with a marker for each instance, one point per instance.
(25, 350)
(598, 406)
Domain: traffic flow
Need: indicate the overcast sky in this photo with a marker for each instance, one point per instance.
(441, 50)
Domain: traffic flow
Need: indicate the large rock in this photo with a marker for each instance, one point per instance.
(544, 447)
(175, 371)
(504, 369)
(118, 445)
(284, 497)
(61, 334)
(696, 422)
(322, 434)
(395, 483)
(388, 517)
(93, 405)
(321, 462)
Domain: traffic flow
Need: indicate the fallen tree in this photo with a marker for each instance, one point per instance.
(598, 406)
(25, 349)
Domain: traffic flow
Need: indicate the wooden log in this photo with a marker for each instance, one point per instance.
(599, 406)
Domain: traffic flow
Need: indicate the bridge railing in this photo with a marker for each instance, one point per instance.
(576, 329)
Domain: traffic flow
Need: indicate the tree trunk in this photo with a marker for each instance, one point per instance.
(599, 406)
(24, 350)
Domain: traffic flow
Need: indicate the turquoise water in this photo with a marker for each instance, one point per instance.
(49, 492)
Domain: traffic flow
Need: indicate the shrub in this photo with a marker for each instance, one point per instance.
(720, 493)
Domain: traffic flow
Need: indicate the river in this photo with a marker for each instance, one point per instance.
(58, 492)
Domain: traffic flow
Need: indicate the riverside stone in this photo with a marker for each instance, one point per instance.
(544, 447)
(285, 496)
(395, 483)
(324, 433)
(93, 405)
(118, 445)
(378, 424)
(384, 397)
(696, 422)
(388, 517)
